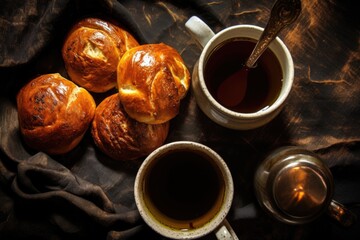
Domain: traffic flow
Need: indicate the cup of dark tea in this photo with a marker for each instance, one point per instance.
(184, 190)
(268, 83)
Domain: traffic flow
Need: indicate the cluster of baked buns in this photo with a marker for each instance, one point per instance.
(151, 79)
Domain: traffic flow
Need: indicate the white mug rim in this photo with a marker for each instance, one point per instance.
(175, 233)
(273, 107)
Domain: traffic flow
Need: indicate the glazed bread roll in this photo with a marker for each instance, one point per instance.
(121, 137)
(54, 113)
(152, 79)
(91, 53)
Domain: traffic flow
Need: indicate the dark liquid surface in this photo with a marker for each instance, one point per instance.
(184, 189)
(264, 81)
(300, 191)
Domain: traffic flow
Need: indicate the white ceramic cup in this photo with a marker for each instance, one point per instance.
(154, 180)
(207, 103)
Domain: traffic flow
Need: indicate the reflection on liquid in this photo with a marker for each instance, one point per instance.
(300, 191)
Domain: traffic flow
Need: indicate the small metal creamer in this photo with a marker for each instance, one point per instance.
(295, 186)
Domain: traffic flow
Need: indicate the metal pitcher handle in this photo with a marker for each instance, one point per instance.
(341, 214)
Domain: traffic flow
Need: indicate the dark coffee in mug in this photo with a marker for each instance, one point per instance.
(184, 189)
(264, 81)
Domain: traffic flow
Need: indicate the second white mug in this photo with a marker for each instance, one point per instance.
(210, 42)
(184, 190)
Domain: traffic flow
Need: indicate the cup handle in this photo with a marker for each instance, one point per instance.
(225, 232)
(341, 214)
(199, 30)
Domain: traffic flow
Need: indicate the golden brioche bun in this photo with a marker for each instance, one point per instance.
(121, 137)
(152, 79)
(91, 53)
(54, 113)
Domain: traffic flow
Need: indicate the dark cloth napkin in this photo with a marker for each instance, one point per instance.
(86, 195)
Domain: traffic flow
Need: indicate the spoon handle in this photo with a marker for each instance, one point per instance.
(283, 13)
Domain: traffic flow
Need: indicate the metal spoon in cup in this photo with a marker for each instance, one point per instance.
(233, 89)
